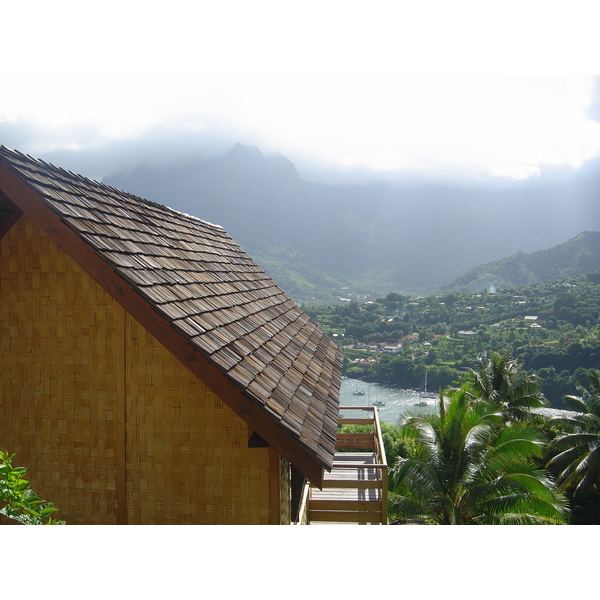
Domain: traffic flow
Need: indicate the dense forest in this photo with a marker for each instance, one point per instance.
(553, 327)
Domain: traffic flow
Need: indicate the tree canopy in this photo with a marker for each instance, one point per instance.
(468, 466)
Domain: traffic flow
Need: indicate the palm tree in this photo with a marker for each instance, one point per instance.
(578, 454)
(500, 380)
(467, 466)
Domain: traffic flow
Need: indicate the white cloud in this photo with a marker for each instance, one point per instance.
(334, 81)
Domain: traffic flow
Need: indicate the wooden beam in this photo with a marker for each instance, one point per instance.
(373, 506)
(30, 203)
(354, 421)
(344, 517)
(274, 487)
(352, 483)
(356, 465)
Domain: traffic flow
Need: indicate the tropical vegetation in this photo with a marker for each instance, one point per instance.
(466, 465)
(17, 500)
(488, 456)
(552, 327)
(500, 382)
(575, 453)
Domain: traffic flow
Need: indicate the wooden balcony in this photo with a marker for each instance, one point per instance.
(355, 491)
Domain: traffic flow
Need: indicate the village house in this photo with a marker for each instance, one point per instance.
(151, 371)
(392, 349)
(408, 339)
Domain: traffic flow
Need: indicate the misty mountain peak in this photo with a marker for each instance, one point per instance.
(314, 238)
(243, 152)
(250, 157)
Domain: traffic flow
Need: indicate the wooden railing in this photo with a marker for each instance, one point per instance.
(356, 489)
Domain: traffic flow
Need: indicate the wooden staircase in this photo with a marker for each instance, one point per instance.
(355, 491)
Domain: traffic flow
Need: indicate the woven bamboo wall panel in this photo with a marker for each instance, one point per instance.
(111, 427)
(62, 375)
(188, 459)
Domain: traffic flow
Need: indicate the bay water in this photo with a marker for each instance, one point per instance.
(398, 402)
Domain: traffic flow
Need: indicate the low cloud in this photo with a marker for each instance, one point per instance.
(594, 107)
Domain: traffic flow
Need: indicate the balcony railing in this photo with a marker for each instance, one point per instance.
(355, 491)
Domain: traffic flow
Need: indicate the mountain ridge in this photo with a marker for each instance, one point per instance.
(578, 256)
(323, 241)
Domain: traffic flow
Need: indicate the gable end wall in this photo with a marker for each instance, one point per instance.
(111, 427)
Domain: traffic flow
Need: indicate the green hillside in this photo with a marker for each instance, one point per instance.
(575, 257)
(554, 326)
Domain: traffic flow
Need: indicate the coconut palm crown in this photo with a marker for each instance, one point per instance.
(500, 380)
(467, 466)
(577, 455)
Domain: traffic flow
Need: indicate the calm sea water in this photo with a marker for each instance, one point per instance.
(399, 402)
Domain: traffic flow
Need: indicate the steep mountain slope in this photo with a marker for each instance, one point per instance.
(321, 241)
(577, 256)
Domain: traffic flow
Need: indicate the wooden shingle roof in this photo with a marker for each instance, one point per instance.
(201, 295)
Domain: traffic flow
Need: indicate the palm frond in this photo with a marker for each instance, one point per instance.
(571, 440)
(575, 403)
(407, 507)
(587, 471)
(524, 509)
(414, 475)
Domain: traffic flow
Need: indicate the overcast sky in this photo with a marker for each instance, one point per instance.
(336, 83)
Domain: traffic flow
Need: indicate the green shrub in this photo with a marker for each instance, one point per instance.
(17, 499)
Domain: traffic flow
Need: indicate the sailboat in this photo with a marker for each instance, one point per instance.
(425, 394)
(377, 402)
(357, 392)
